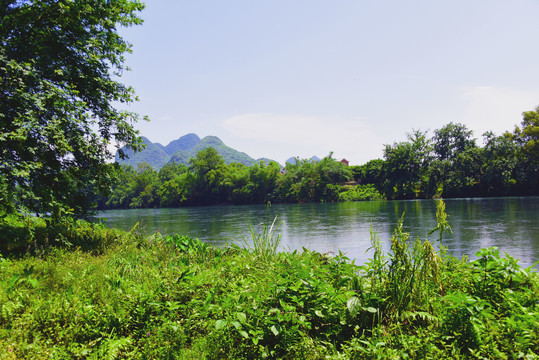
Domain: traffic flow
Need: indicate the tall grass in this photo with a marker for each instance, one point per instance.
(264, 243)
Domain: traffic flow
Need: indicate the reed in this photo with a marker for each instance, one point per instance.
(264, 243)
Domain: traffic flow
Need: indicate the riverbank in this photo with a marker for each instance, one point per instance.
(173, 296)
(508, 223)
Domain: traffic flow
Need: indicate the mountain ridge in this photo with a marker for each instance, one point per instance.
(181, 150)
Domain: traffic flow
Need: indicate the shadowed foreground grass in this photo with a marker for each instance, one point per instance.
(173, 297)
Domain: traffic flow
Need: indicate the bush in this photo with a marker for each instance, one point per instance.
(361, 193)
(21, 234)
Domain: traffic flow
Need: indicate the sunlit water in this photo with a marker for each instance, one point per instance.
(512, 224)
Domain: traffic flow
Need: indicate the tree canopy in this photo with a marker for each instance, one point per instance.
(450, 164)
(528, 136)
(59, 65)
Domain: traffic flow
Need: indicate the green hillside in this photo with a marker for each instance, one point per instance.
(180, 157)
(153, 154)
(229, 155)
(185, 143)
(183, 149)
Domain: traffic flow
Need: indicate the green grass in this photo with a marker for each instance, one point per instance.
(173, 297)
(263, 244)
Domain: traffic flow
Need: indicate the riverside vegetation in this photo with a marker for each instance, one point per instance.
(82, 290)
(74, 289)
(450, 164)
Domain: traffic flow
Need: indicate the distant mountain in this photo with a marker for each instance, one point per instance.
(183, 149)
(180, 157)
(293, 160)
(185, 143)
(229, 155)
(153, 154)
(266, 161)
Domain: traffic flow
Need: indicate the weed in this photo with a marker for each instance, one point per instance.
(266, 242)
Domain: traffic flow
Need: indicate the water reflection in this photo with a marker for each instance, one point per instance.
(509, 223)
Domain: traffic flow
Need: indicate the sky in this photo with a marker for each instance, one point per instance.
(285, 78)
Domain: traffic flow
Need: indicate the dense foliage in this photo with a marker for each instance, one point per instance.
(58, 65)
(451, 164)
(209, 180)
(173, 297)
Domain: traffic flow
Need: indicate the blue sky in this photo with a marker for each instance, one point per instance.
(305, 77)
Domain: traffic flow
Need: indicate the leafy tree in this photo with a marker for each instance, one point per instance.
(307, 180)
(205, 161)
(371, 172)
(500, 166)
(145, 187)
(123, 189)
(263, 180)
(406, 165)
(171, 170)
(232, 183)
(529, 134)
(298, 182)
(176, 191)
(59, 61)
(527, 137)
(201, 166)
(331, 173)
(451, 140)
(456, 169)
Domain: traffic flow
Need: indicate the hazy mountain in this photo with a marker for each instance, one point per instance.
(229, 155)
(266, 161)
(153, 154)
(293, 160)
(183, 149)
(180, 157)
(185, 143)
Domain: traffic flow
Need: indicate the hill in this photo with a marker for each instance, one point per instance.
(184, 143)
(153, 154)
(293, 160)
(183, 149)
(229, 155)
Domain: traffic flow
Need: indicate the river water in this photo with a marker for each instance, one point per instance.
(512, 224)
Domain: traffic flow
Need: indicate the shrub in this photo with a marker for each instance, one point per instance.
(361, 193)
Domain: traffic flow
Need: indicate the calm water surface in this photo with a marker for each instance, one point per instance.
(512, 224)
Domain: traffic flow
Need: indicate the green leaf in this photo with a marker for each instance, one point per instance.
(172, 305)
(242, 317)
(353, 304)
(33, 282)
(220, 324)
(319, 313)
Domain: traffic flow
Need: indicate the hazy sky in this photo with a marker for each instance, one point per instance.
(285, 78)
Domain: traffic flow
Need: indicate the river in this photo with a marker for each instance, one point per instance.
(512, 224)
